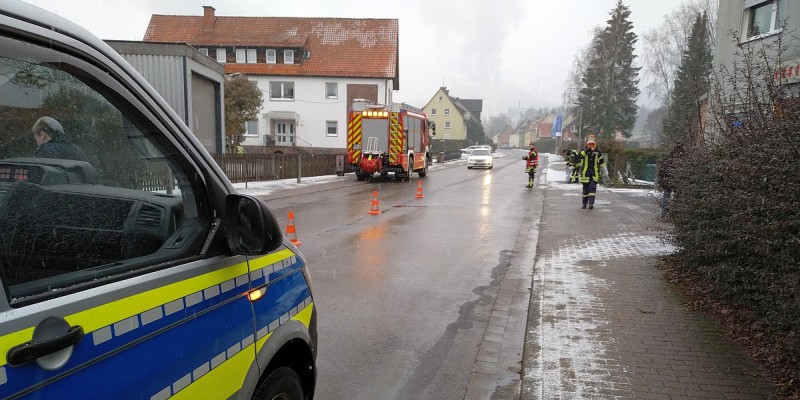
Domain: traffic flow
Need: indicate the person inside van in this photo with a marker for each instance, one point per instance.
(51, 141)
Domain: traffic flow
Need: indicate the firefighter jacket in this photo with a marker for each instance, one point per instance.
(573, 158)
(590, 164)
(532, 159)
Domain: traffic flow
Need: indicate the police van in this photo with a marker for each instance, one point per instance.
(130, 267)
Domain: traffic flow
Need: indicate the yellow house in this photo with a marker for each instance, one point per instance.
(449, 114)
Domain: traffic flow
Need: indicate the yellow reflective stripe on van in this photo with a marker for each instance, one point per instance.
(109, 313)
(224, 380)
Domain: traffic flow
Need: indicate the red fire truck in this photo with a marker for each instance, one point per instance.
(388, 139)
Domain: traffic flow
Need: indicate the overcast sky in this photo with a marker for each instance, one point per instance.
(507, 52)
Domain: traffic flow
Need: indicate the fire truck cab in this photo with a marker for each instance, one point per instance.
(388, 139)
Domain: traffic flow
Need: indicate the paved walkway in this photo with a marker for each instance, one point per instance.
(602, 321)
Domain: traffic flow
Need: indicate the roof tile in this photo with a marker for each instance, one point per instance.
(340, 47)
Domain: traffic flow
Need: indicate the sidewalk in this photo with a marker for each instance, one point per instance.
(603, 323)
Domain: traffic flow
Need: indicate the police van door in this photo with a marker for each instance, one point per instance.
(115, 284)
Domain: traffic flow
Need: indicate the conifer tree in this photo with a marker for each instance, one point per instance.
(691, 84)
(608, 98)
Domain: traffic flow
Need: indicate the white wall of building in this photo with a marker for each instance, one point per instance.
(311, 108)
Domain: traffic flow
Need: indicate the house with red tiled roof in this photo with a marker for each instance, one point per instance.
(309, 70)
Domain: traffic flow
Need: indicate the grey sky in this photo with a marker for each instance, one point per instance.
(507, 52)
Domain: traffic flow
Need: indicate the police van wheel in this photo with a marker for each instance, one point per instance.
(281, 384)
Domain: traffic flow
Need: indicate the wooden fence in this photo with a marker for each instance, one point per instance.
(266, 167)
(254, 167)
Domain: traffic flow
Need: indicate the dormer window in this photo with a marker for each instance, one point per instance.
(246, 56)
(288, 56)
(271, 56)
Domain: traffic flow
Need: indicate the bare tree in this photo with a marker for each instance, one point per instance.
(664, 46)
(574, 82)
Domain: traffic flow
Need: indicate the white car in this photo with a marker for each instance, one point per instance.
(480, 158)
(469, 149)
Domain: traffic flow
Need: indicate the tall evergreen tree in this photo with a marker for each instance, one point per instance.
(691, 83)
(608, 98)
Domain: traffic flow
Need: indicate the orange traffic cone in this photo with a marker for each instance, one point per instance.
(291, 233)
(375, 209)
(419, 190)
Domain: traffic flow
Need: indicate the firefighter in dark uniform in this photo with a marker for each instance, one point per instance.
(573, 158)
(532, 159)
(590, 166)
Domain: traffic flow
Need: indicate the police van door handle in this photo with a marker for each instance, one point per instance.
(30, 351)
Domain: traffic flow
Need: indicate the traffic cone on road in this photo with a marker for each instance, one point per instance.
(419, 190)
(375, 210)
(291, 231)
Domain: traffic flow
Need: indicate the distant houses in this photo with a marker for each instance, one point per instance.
(452, 115)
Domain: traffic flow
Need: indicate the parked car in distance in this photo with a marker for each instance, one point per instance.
(469, 149)
(480, 158)
(131, 268)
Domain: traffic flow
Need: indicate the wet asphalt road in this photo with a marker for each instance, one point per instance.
(399, 294)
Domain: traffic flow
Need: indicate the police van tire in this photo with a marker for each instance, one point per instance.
(282, 383)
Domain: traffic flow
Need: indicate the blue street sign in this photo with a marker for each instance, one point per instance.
(557, 126)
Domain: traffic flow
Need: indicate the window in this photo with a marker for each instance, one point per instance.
(440, 98)
(271, 56)
(331, 90)
(433, 111)
(251, 128)
(222, 56)
(203, 51)
(124, 197)
(573, 128)
(281, 90)
(288, 56)
(447, 124)
(763, 16)
(332, 128)
(446, 111)
(246, 56)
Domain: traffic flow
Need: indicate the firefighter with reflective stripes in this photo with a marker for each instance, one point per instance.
(532, 159)
(572, 158)
(591, 165)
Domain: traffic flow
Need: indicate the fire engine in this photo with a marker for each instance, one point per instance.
(383, 139)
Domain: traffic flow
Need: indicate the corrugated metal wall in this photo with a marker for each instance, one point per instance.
(166, 74)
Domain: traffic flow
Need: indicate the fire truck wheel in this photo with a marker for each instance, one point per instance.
(424, 171)
(407, 176)
(362, 177)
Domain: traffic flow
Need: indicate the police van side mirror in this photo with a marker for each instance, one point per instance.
(250, 226)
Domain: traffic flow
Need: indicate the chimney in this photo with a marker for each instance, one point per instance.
(208, 18)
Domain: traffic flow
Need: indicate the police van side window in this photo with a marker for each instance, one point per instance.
(90, 189)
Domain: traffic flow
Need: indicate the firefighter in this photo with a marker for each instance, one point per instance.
(572, 158)
(591, 165)
(532, 161)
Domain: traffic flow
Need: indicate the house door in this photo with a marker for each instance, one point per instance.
(284, 133)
